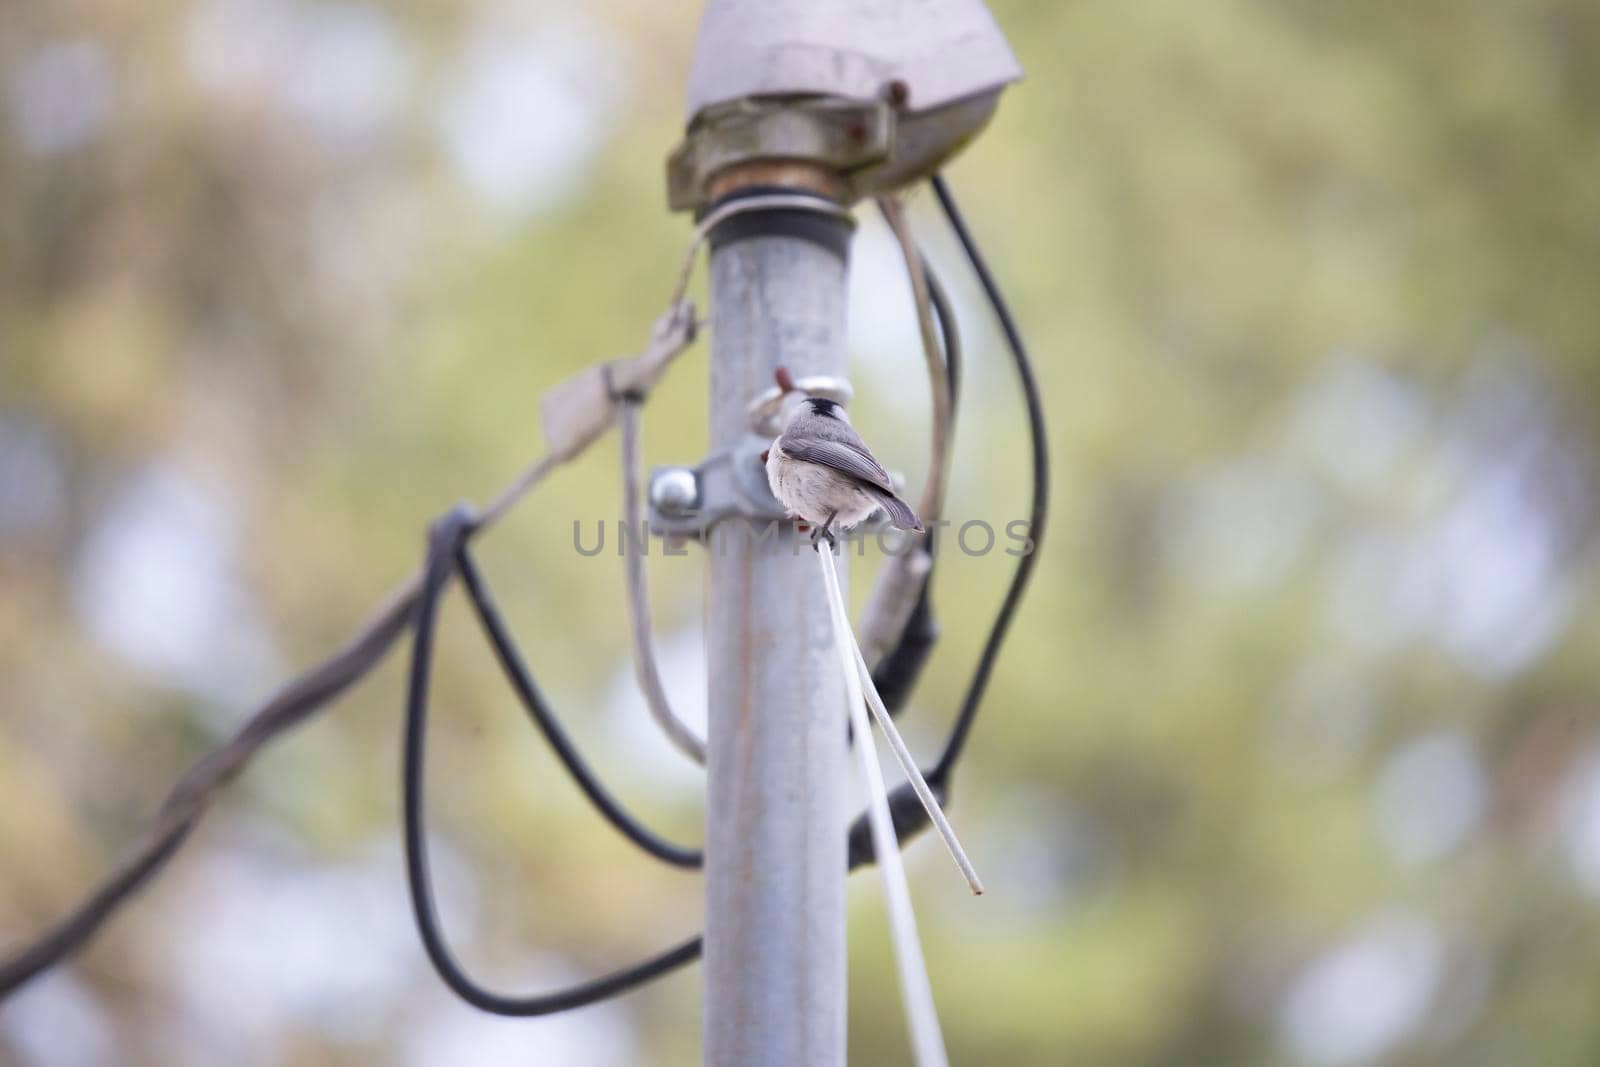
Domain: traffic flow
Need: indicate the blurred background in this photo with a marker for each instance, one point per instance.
(1293, 759)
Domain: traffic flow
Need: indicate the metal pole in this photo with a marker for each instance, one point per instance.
(841, 99)
(775, 817)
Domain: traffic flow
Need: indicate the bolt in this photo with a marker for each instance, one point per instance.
(675, 490)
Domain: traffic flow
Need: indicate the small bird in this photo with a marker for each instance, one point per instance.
(820, 470)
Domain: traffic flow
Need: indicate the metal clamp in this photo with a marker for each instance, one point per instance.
(839, 135)
(731, 482)
(686, 502)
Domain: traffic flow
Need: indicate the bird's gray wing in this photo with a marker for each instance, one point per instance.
(899, 512)
(842, 456)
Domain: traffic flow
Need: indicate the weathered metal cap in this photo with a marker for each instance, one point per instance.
(875, 92)
(941, 51)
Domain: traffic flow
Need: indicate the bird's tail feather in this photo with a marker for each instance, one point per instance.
(900, 513)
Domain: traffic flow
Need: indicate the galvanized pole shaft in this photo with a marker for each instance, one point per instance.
(840, 99)
(776, 815)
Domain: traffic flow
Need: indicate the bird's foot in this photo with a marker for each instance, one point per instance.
(824, 533)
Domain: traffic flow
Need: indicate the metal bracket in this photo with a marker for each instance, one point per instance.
(838, 135)
(845, 149)
(731, 482)
(686, 502)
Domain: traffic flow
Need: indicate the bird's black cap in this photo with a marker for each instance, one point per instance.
(823, 406)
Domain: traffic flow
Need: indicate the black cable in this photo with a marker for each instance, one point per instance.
(447, 546)
(1041, 490)
(895, 675)
(444, 544)
(538, 709)
(907, 815)
(300, 698)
